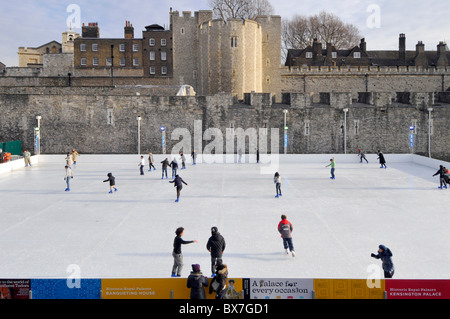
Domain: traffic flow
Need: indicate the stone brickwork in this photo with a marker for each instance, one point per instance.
(103, 120)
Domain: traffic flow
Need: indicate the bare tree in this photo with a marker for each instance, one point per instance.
(243, 9)
(300, 31)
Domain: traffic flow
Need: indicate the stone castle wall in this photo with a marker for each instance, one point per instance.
(103, 120)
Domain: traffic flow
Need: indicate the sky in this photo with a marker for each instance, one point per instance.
(31, 23)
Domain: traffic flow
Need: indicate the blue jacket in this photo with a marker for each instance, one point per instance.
(386, 259)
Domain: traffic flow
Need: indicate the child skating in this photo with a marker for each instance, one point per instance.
(112, 183)
(442, 172)
(68, 177)
(178, 183)
(277, 181)
(141, 165)
(362, 156)
(285, 228)
(333, 166)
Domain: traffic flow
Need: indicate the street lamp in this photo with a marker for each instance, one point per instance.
(138, 118)
(37, 136)
(345, 130)
(411, 137)
(163, 139)
(429, 131)
(285, 132)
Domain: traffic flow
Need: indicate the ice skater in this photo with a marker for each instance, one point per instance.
(216, 246)
(385, 255)
(150, 162)
(174, 166)
(68, 177)
(112, 183)
(75, 155)
(177, 254)
(240, 155)
(69, 160)
(164, 165)
(362, 156)
(285, 228)
(257, 156)
(382, 159)
(442, 172)
(219, 282)
(178, 183)
(183, 161)
(277, 181)
(27, 158)
(194, 157)
(333, 166)
(141, 165)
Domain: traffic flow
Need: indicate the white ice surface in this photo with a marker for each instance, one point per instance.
(129, 234)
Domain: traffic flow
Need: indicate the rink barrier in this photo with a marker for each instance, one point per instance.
(246, 288)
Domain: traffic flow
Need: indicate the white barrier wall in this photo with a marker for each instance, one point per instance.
(10, 166)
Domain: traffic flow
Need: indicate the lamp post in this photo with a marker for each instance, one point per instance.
(285, 132)
(345, 130)
(429, 131)
(138, 118)
(163, 139)
(411, 137)
(37, 136)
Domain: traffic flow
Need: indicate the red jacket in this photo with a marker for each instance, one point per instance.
(285, 228)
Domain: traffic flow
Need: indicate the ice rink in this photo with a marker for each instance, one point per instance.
(129, 234)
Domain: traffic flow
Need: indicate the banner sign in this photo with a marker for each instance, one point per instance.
(418, 289)
(278, 288)
(14, 288)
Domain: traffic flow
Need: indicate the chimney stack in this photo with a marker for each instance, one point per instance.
(128, 30)
(402, 48)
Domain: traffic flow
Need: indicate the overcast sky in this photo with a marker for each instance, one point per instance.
(31, 23)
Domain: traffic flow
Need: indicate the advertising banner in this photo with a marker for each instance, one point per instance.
(65, 288)
(278, 288)
(14, 288)
(418, 289)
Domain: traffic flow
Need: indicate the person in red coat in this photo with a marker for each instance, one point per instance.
(285, 228)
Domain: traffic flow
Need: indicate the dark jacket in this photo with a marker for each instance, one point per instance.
(178, 181)
(216, 245)
(165, 163)
(386, 259)
(196, 281)
(177, 242)
(441, 171)
(381, 158)
(221, 277)
(111, 179)
(174, 165)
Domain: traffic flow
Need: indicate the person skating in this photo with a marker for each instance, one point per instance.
(141, 165)
(177, 254)
(69, 160)
(178, 183)
(216, 246)
(196, 282)
(150, 162)
(164, 165)
(442, 172)
(333, 166)
(174, 166)
(75, 155)
(285, 228)
(27, 158)
(194, 157)
(68, 177)
(112, 183)
(362, 156)
(385, 254)
(183, 161)
(277, 181)
(257, 156)
(382, 159)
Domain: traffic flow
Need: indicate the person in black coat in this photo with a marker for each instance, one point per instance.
(196, 281)
(112, 183)
(441, 171)
(216, 246)
(385, 255)
(165, 164)
(219, 281)
(178, 183)
(382, 159)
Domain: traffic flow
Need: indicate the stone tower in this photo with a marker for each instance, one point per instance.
(68, 38)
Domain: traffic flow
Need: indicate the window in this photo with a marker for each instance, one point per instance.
(182, 30)
(334, 55)
(232, 127)
(109, 117)
(95, 61)
(151, 42)
(122, 62)
(152, 55)
(267, 79)
(83, 61)
(265, 127)
(135, 47)
(108, 61)
(356, 127)
(94, 47)
(163, 55)
(83, 47)
(163, 42)
(152, 70)
(307, 128)
(414, 125)
(164, 70)
(309, 55)
(136, 62)
(233, 42)
(122, 47)
(357, 55)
